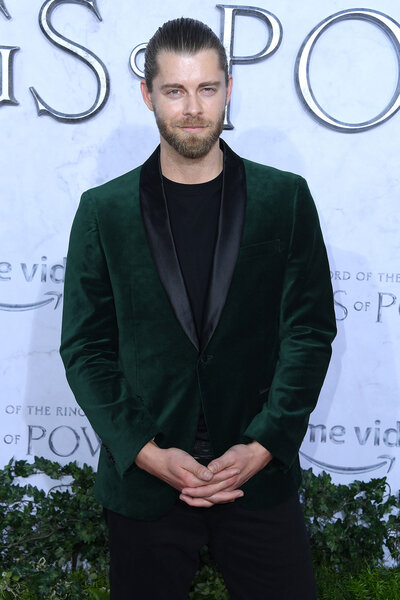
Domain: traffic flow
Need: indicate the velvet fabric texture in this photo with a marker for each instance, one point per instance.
(130, 347)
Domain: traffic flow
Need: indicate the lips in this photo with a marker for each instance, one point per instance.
(193, 128)
(192, 125)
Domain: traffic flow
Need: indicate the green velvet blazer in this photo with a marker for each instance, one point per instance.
(129, 343)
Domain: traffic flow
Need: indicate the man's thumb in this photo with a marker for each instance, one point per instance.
(205, 474)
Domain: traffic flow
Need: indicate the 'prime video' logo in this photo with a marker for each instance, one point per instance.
(372, 436)
(32, 273)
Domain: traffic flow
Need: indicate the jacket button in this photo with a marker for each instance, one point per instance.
(206, 357)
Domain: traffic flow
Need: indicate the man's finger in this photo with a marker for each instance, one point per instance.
(223, 462)
(225, 474)
(220, 498)
(223, 497)
(197, 469)
(203, 491)
(221, 476)
(199, 502)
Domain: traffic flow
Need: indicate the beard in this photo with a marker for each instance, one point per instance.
(190, 146)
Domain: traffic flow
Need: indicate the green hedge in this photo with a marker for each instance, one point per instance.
(54, 545)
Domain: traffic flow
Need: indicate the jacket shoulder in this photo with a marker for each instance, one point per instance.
(259, 174)
(281, 193)
(117, 190)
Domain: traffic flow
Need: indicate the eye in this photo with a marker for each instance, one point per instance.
(174, 93)
(209, 91)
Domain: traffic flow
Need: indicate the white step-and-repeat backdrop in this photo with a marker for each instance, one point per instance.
(316, 89)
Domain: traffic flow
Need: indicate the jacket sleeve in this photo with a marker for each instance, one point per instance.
(89, 346)
(306, 330)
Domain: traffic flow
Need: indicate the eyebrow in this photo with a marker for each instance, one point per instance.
(180, 86)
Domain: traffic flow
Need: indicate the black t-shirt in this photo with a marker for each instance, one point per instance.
(194, 212)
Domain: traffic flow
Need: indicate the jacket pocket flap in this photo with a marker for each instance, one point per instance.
(269, 248)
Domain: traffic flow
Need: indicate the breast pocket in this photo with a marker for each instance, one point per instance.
(267, 249)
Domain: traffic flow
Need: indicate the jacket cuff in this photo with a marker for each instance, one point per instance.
(273, 439)
(123, 453)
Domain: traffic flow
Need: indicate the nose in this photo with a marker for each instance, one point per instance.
(192, 105)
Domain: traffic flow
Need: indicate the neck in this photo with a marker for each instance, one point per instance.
(178, 168)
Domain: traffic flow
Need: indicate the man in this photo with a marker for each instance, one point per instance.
(198, 319)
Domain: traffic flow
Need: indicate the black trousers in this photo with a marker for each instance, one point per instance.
(262, 554)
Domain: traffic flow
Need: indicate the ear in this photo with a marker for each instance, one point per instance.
(146, 94)
(229, 90)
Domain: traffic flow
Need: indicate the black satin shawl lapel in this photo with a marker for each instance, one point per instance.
(159, 236)
(230, 229)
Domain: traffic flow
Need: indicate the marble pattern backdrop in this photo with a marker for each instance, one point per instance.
(45, 165)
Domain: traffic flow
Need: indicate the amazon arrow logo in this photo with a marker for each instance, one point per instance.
(387, 460)
(56, 298)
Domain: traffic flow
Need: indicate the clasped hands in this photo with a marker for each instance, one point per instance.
(217, 483)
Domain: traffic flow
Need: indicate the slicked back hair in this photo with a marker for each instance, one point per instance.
(185, 36)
